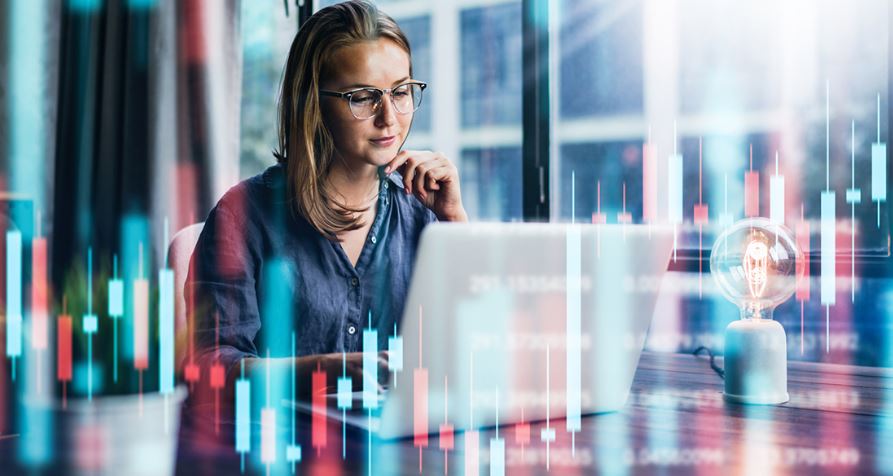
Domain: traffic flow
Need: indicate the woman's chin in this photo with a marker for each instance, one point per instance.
(380, 158)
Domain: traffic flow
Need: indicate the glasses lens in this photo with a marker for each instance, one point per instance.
(364, 103)
(407, 97)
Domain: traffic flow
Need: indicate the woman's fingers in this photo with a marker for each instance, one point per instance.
(418, 181)
(357, 373)
(409, 171)
(405, 162)
(397, 161)
(422, 171)
(382, 362)
(430, 175)
(439, 175)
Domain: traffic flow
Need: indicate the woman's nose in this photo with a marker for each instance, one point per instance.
(387, 114)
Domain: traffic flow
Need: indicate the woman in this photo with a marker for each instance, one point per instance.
(323, 242)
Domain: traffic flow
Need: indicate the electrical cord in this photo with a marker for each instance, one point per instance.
(719, 371)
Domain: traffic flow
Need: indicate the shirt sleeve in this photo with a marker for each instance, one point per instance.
(222, 285)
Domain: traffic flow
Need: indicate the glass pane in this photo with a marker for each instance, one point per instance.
(491, 65)
(603, 76)
(604, 170)
(491, 110)
(491, 183)
(266, 37)
(418, 31)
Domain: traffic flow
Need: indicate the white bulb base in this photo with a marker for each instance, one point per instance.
(756, 362)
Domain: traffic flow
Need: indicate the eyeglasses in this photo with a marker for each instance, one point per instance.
(366, 102)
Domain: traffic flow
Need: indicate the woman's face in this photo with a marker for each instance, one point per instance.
(375, 141)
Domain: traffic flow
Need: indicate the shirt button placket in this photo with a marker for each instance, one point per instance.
(352, 328)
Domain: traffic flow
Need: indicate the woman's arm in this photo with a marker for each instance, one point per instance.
(332, 364)
(225, 307)
(220, 288)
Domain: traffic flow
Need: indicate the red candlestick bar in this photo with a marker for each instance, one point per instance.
(751, 194)
(39, 292)
(320, 415)
(420, 407)
(751, 190)
(63, 354)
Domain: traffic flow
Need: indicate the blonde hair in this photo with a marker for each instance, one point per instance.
(306, 147)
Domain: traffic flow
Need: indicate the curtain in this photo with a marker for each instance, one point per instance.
(147, 140)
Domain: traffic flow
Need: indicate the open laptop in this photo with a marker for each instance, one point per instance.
(512, 322)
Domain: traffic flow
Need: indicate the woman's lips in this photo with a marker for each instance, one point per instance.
(384, 141)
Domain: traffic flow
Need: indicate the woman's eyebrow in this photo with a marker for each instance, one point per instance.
(360, 85)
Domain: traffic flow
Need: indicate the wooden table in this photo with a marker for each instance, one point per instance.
(839, 420)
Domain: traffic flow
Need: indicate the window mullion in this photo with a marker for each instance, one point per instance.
(536, 110)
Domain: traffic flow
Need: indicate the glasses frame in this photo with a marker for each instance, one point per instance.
(381, 94)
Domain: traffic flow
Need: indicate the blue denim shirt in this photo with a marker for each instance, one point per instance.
(260, 272)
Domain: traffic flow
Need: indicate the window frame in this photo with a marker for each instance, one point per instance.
(536, 122)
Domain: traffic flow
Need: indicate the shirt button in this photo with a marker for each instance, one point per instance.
(351, 330)
(385, 185)
(373, 239)
(354, 282)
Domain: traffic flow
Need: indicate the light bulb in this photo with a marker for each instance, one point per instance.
(753, 263)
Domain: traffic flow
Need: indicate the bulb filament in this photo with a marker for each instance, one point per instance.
(756, 267)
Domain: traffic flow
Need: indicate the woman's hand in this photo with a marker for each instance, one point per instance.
(335, 368)
(304, 367)
(434, 181)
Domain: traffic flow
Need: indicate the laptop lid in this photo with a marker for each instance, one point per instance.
(511, 322)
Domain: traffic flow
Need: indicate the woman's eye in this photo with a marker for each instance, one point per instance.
(361, 98)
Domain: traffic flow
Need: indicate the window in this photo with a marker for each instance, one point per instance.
(491, 100)
(266, 37)
(490, 38)
(728, 85)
